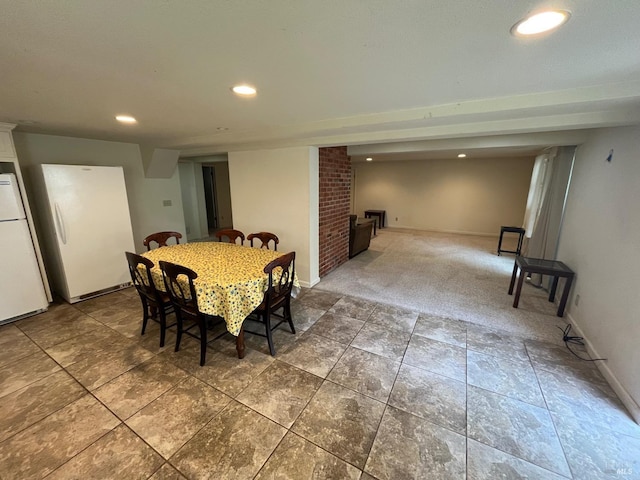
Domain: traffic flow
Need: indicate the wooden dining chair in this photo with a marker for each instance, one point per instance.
(281, 273)
(265, 238)
(185, 304)
(156, 305)
(161, 239)
(230, 234)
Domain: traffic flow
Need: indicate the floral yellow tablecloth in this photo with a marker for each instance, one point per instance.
(231, 280)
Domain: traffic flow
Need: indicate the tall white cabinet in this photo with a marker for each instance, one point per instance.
(9, 164)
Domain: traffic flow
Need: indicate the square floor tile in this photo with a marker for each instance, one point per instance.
(15, 345)
(304, 316)
(25, 371)
(366, 373)
(43, 447)
(341, 421)
(409, 447)
(35, 401)
(296, 458)
(280, 392)
(589, 402)
(394, 317)
(173, 418)
(282, 337)
(112, 313)
(515, 427)
(440, 400)
(48, 329)
(558, 359)
(442, 329)
(98, 303)
(314, 354)
(595, 453)
(119, 454)
(340, 328)
(493, 342)
(437, 357)
(486, 463)
(234, 445)
(98, 339)
(379, 339)
(318, 299)
(515, 379)
(94, 370)
(353, 307)
(138, 387)
(223, 369)
(167, 472)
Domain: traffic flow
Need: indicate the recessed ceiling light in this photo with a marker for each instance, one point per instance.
(369, 159)
(540, 22)
(244, 90)
(462, 155)
(126, 119)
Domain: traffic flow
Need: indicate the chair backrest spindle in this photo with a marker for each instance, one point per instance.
(282, 269)
(265, 238)
(230, 234)
(161, 239)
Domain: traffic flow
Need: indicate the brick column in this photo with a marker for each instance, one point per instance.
(335, 199)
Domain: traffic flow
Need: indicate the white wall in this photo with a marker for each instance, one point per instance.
(145, 195)
(277, 191)
(461, 195)
(600, 241)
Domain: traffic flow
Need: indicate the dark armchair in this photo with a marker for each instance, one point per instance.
(359, 235)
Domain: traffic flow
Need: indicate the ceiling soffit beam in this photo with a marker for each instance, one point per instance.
(579, 121)
(159, 162)
(555, 108)
(538, 139)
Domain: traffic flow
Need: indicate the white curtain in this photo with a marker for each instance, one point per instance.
(536, 191)
(546, 217)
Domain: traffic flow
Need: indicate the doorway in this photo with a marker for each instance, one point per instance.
(209, 178)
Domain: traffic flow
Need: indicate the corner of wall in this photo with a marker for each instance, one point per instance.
(625, 397)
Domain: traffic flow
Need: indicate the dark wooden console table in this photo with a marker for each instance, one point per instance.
(379, 214)
(553, 268)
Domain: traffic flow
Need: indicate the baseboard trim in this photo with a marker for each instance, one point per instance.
(456, 232)
(625, 398)
(310, 284)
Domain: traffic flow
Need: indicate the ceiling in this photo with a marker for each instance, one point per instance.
(411, 78)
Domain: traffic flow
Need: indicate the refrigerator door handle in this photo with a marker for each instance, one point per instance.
(60, 224)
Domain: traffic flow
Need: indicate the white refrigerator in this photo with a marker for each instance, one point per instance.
(21, 286)
(87, 230)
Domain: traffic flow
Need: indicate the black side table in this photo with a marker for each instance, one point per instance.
(552, 268)
(519, 231)
(379, 214)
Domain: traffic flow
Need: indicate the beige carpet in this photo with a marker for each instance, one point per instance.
(448, 275)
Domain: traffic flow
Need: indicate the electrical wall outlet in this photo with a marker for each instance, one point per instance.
(166, 203)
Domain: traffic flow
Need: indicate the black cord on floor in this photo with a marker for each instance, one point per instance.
(576, 341)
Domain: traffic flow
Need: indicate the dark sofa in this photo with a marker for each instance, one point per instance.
(359, 235)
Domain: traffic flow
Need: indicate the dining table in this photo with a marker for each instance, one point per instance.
(231, 280)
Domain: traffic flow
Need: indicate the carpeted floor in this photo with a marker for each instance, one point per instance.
(453, 276)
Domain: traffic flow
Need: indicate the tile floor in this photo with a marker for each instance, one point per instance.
(363, 391)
